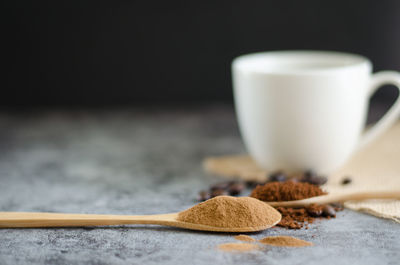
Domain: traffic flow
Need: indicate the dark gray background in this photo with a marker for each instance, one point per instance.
(103, 53)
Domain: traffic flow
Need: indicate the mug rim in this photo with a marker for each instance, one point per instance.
(334, 61)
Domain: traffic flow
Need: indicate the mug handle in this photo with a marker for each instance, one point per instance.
(379, 79)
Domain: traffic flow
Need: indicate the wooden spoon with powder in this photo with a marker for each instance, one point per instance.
(219, 214)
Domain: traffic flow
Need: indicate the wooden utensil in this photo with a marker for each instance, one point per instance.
(339, 197)
(27, 219)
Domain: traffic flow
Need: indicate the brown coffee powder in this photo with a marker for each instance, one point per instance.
(286, 191)
(293, 218)
(231, 212)
(242, 247)
(285, 241)
(245, 238)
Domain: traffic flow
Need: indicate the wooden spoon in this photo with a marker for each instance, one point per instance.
(27, 219)
(339, 197)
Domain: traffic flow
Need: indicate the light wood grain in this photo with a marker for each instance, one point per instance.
(339, 197)
(34, 220)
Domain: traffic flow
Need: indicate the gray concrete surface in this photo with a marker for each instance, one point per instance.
(146, 162)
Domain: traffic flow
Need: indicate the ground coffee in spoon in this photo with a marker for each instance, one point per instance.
(231, 212)
(286, 191)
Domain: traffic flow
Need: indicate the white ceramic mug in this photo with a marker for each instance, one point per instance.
(301, 110)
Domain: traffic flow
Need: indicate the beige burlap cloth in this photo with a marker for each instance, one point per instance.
(376, 167)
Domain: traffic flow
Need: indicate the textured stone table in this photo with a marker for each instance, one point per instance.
(146, 162)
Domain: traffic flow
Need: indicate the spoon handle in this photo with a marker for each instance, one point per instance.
(339, 197)
(32, 219)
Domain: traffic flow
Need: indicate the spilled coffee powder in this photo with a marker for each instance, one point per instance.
(242, 247)
(231, 212)
(245, 238)
(296, 218)
(285, 241)
(286, 191)
(293, 218)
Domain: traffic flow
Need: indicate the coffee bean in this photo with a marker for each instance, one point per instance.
(346, 180)
(319, 180)
(278, 176)
(294, 180)
(314, 210)
(337, 206)
(218, 192)
(329, 211)
(310, 173)
(203, 196)
(236, 188)
(303, 178)
(221, 185)
(312, 178)
(251, 184)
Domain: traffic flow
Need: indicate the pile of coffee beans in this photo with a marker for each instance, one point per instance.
(235, 188)
(309, 177)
